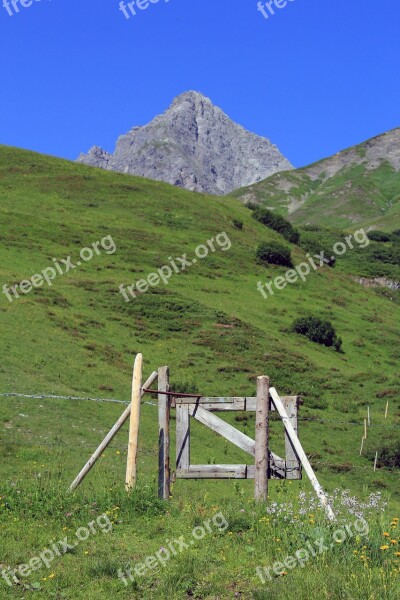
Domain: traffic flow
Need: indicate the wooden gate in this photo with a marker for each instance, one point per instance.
(266, 464)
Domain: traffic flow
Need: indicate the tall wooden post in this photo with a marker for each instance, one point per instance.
(131, 464)
(164, 474)
(293, 466)
(261, 446)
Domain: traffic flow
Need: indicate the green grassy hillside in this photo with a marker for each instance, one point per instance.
(346, 190)
(216, 332)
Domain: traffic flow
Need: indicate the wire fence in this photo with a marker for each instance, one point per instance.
(61, 444)
(115, 401)
(76, 398)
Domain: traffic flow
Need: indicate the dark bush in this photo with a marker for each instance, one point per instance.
(388, 455)
(385, 254)
(274, 253)
(318, 330)
(237, 224)
(277, 223)
(379, 236)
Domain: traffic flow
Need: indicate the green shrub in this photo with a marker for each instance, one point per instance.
(274, 254)
(277, 223)
(379, 236)
(318, 330)
(388, 455)
(385, 254)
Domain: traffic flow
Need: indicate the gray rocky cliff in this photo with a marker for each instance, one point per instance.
(193, 145)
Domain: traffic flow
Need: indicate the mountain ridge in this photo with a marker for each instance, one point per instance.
(358, 185)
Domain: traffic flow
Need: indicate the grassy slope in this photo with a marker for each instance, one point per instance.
(354, 197)
(79, 337)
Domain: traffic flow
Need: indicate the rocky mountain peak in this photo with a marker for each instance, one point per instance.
(194, 145)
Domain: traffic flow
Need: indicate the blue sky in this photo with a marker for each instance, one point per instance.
(316, 77)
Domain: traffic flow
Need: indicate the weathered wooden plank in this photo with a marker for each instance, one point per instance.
(234, 403)
(163, 434)
(182, 437)
(229, 471)
(239, 405)
(222, 428)
(293, 465)
(213, 472)
(261, 443)
(247, 403)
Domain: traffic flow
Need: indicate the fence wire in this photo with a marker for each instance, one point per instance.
(115, 401)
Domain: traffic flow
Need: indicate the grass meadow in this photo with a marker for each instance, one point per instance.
(216, 332)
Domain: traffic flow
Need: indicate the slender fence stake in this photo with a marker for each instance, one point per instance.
(365, 428)
(376, 460)
(292, 466)
(387, 409)
(301, 454)
(164, 404)
(261, 446)
(108, 439)
(131, 463)
(362, 445)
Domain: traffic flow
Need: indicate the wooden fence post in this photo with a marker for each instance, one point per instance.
(164, 474)
(293, 465)
(376, 460)
(182, 437)
(261, 441)
(131, 464)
